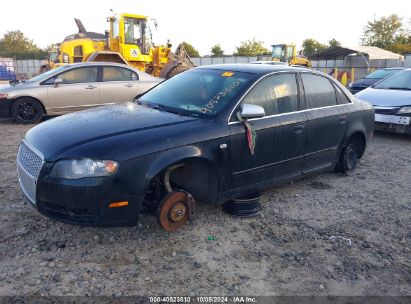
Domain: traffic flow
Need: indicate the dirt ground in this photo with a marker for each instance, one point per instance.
(325, 235)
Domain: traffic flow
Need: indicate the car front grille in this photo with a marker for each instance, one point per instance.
(29, 163)
(386, 110)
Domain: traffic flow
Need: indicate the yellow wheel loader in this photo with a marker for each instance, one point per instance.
(128, 41)
(287, 53)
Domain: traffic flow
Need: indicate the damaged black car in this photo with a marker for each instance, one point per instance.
(210, 134)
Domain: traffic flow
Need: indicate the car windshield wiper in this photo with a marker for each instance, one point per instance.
(162, 107)
(399, 88)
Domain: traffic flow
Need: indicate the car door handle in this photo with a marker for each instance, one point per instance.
(128, 85)
(299, 129)
(90, 87)
(343, 119)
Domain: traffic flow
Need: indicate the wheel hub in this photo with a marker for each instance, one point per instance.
(173, 211)
(177, 212)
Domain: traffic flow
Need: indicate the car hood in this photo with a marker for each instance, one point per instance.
(365, 82)
(20, 86)
(381, 97)
(59, 135)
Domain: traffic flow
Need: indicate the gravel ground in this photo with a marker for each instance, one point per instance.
(324, 235)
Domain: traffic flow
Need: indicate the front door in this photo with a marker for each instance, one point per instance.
(79, 90)
(280, 135)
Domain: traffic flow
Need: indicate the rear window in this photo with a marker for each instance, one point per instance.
(118, 74)
(319, 92)
(341, 97)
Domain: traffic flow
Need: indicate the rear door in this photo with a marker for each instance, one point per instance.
(118, 84)
(280, 135)
(79, 91)
(327, 121)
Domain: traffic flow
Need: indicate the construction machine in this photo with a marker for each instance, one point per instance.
(287, 53)
(128, 41)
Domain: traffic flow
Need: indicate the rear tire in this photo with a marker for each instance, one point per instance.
(348, 159)
(26, 110)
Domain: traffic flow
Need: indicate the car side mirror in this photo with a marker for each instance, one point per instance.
(57, 82)
(251, 111)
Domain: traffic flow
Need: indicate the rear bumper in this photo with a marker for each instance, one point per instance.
(5, 108)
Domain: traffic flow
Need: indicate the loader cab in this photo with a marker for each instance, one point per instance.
(283, 52)
(133, 34)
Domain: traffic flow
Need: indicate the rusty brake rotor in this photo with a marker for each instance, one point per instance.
(174, 210)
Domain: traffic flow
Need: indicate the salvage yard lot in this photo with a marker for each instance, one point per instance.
(287, 250)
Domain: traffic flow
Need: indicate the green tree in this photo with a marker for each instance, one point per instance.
(14, 44)
(312, 46)
(251, 48)
(334, 42)
(191, 51)
(217, 51)
(388, 33)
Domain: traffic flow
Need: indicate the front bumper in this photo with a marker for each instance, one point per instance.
(83, 202)
(393, 123)
(5, 107)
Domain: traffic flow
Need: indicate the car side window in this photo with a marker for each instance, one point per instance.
(319, 92)
(341, 97)
(118, 74)
(80, 75)
(277, 94)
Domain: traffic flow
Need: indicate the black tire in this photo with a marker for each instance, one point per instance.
(348, 159)
(26, 110)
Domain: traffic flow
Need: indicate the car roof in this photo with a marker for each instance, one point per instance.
(79, 64)
(259, 69)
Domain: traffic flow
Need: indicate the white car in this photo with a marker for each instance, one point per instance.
(73, 87)
(391, 98)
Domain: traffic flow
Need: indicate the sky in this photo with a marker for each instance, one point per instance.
(206, 23)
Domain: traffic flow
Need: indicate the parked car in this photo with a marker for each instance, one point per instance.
(372, 78)
(71, 88)
(391, 99)
(212, 134)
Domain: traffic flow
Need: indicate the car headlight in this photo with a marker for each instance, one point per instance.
(3, 95)
(79, 168)
(404, 110)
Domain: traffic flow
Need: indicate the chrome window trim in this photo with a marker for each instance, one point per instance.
(281, 114)
(289, 113)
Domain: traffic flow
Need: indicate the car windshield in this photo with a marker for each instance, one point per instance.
(200, 92)
(380, 74)
(399, 81)
(46, 75)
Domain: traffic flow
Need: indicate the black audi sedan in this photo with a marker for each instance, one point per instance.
(210, 134)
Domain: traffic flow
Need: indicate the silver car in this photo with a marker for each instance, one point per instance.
(72, 88)
(391, 98)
